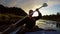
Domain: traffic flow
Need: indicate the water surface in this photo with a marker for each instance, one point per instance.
(47, 24)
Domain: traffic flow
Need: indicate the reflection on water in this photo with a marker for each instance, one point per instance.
(46, 24)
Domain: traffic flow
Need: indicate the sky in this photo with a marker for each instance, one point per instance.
(52, 8)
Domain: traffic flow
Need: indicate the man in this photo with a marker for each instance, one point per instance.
(31, 21)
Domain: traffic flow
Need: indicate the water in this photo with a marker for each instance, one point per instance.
(47, 24)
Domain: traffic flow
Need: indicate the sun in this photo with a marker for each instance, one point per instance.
(35, 14)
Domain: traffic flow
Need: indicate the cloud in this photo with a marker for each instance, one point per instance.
(53, 2)
(12, 3)
(5, 2)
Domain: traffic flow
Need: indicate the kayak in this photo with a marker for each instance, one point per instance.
(44, 32)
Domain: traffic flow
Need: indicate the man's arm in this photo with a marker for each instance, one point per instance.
(40, 15)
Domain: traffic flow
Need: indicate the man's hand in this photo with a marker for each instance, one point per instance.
(37, 9)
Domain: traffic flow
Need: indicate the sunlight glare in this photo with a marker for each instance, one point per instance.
(35, 14)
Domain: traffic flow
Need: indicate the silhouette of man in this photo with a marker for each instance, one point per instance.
(31, 21)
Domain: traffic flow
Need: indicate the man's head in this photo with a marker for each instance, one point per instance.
(30, 12)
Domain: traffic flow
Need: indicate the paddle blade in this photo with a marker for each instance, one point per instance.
(45, 5)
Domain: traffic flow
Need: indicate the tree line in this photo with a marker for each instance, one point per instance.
(12, 10)
(10, 15)
(54, 17)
